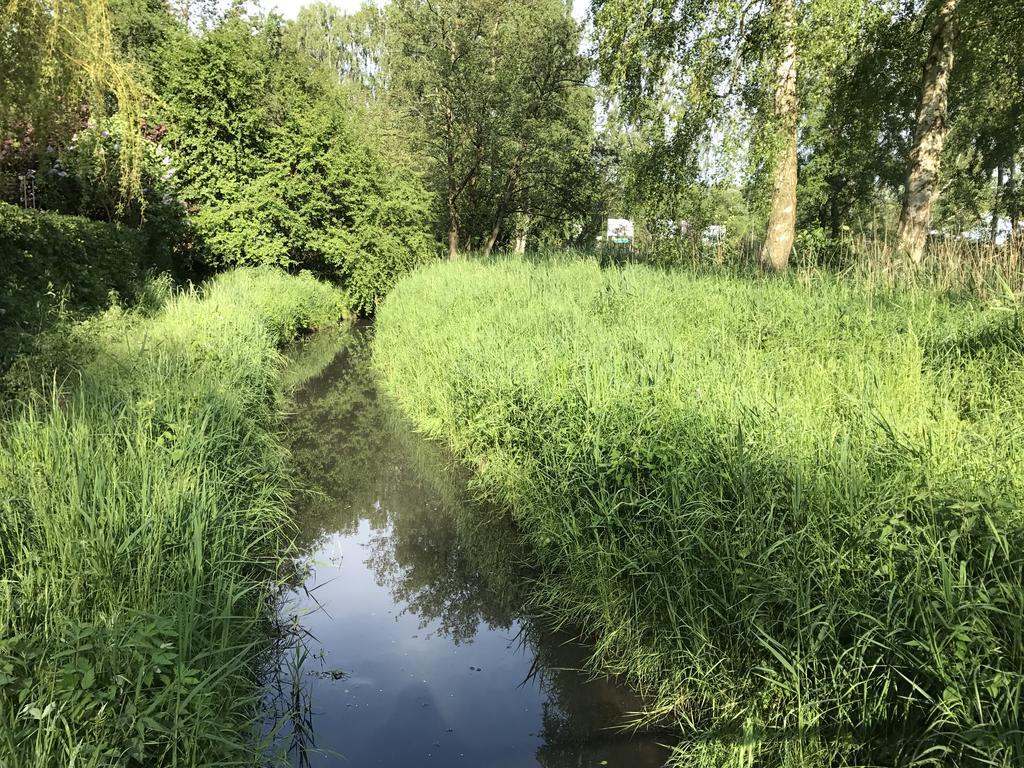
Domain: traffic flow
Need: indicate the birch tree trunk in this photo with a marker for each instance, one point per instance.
(995, 203)
(922, 185)
(778, 244)
(522, 230)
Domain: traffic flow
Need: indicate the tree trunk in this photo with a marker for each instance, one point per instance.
(1013, 201)
(522, 230)
(995, 203)
(922, 185)
(778, 244)
(506, 197)
(453, 239)
(453, 209)
(492, 238)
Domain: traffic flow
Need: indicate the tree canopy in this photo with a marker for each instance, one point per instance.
(359, 144)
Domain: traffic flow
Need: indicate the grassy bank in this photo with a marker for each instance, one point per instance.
(142, 515)
(790, 510)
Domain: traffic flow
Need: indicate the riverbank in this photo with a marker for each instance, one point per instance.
(790, 510)
(417, 649)
(143, 516)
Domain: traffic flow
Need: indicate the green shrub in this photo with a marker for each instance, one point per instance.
(790, 510)
(52, 261)
(143, 519)
(300, 173)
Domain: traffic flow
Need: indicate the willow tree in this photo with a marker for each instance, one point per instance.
(750, 69)
(59, 70)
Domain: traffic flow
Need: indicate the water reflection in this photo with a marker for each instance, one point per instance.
(419, 650)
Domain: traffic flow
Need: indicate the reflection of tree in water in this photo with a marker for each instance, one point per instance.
(459, 565)
(336, 450)
(431, 563)
(584, 718)
(446, 559)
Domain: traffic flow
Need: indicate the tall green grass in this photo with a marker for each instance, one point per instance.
(790, 510)
(142, 519)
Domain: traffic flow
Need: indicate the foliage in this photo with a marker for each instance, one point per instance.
(788, 508)
(56, 263)
(693, 86)
(348, 46)
(142, 522)
(855, 152)
(496, 90)
(59, 68)
(689, 88)
(987, 106)
(282, 166)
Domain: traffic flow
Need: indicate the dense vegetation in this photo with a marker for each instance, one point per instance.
(340, 142)
(54, 263)
(143, 517)
(787, 505)
(789, 509)
(896, 122)
(253, 152)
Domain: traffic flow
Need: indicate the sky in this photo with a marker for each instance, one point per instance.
(290, 8)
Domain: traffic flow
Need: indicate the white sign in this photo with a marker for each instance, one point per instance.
(620, 229)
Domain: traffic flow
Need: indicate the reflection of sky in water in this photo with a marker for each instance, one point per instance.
(411, 696)
(432, 664)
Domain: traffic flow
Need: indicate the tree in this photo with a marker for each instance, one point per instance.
(922, 185)
(706, 69)
(986, 117)
(350, 46)
(59, 67)
(496, 89)
(778, 243)
(854, 148)
(856, 157)
(281, 164)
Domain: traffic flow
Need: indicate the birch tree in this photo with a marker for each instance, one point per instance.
(922, 186)
(752, 68)
(778, 243)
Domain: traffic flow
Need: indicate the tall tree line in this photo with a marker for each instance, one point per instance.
(342, 142)
(329, 142)
(831, 103)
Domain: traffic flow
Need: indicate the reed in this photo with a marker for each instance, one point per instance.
(787, 508)
(143, 517)
(953, 266)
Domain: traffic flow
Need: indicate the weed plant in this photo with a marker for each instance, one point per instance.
(789, 508)
(142, 521)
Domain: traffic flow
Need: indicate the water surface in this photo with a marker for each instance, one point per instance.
(419, 651)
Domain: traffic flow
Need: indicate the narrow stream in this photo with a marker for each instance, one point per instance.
(418, 650)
